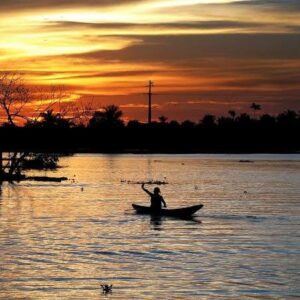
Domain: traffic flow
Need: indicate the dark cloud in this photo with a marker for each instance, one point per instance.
(172, 48)
(111, 74)
(294, 28)
(290, 5)
(239, 61)
(9, 5)
(247, 75)
(289, 82)
(178, 25)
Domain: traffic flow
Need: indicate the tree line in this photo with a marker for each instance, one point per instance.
(83, 128)
(110, 117)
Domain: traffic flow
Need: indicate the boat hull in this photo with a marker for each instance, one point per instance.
(178, 212)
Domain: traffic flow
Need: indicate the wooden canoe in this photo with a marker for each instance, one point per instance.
(177, 212)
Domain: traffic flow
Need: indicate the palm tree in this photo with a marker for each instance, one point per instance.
(174, 124)
(109, 117)
(287, 119)
(208, 121)
(187, 124)
(134, 124)
(232, 113)
(244, 120)
(50, 119)
(163, 119)
(255, 107)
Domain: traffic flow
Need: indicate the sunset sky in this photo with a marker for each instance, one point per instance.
(203, 56)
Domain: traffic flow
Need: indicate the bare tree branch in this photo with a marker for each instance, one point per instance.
(14, 95)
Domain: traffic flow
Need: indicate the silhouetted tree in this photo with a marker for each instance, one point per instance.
(288, 119)
(255, 107)
(224, 122)
(14, 95)
(232, 113)
(109, 117)
(82, 113)
(134, 124)
(267, 121)
(208, 121)
(244, 121)
(50, 119)
(155, 124)
(187, 124)
(163, 119)
(174, 124)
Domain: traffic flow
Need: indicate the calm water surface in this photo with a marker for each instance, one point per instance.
(60, 241)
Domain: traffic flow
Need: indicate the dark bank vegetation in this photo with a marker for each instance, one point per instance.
(15, 97)
(108, 133)
(14, 164)
(40, 161)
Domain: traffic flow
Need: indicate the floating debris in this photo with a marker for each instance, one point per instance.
(156, 182)
(46, 178)
(251, 217)
(106, 289)
(246, 161)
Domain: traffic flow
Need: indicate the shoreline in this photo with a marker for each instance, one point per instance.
(147, 141)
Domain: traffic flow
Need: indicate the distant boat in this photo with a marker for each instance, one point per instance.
(177, 212)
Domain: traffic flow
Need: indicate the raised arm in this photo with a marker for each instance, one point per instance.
(145, 190)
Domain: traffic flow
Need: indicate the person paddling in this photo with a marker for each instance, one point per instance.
(156, 198)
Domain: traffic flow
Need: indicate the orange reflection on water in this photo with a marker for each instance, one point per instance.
(64, 240)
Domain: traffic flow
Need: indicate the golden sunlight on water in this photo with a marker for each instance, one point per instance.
(61, 241)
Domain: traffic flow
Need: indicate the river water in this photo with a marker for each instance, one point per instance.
(62, 240)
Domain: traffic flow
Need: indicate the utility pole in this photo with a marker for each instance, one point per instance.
(150, 101)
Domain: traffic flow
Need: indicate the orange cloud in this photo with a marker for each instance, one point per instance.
(202, 55)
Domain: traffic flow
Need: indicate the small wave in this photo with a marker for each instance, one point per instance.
(235, 217)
